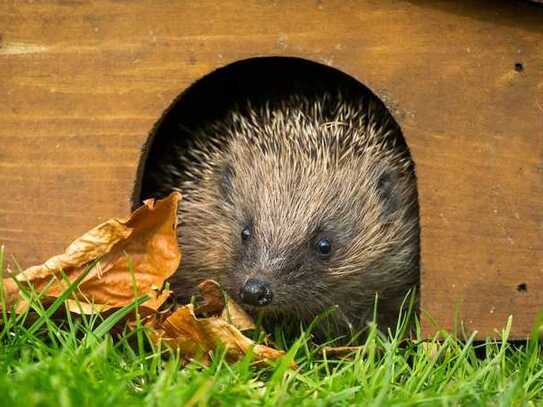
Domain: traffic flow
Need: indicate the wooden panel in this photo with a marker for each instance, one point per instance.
(82, 86)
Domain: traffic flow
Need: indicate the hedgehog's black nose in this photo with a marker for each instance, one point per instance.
(256, 292)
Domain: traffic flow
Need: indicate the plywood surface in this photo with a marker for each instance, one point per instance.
(82, 84)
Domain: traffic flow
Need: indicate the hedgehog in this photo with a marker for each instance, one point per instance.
(297, 206)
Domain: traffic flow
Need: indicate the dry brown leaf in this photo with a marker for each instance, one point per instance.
(218, 302)
(136, 255)
(196, 338)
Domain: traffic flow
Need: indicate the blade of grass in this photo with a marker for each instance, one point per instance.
(114, 318)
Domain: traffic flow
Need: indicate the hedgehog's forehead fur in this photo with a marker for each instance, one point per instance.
(299, 165)
(293, 171)
(290, 181)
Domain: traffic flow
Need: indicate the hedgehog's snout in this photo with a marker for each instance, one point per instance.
(256, 292)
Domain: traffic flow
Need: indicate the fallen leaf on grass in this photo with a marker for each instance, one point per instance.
(196, 338)
(132, 256)
(217, 302)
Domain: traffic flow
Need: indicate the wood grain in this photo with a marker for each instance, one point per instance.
(82, 84)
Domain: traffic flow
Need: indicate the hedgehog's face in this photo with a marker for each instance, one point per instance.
(309, 236)
(302, 206)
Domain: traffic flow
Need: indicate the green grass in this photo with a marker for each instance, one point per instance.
(77, 362)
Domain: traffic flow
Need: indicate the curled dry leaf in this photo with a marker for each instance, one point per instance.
(216, 301)
(133, 256)
(196, 338)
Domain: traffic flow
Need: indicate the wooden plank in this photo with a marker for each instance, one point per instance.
(82, 86)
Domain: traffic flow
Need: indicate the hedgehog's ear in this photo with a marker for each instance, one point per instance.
(387, 188)
(226, 175)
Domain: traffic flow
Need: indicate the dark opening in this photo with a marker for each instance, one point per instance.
(522, 287)
(519, 67)
(210, 98)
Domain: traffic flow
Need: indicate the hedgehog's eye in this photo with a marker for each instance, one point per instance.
(246, 233)
(324, 247)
